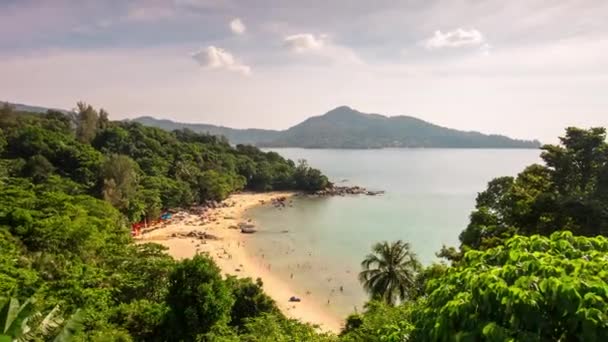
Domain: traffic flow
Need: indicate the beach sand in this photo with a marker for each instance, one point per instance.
(231, 256)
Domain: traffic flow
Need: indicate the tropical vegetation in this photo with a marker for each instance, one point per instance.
(532, 264)
(389, 273)
(71, 184)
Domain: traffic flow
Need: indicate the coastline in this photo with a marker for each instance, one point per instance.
(231, 255)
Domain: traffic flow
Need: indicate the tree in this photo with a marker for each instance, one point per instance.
(309, 179)
(389, 272)
(87, 121)
(250, 300)
(38, 168)
(423, 277)
(3, 142)
(142, 318)
(58, 121)
(269, 327)
(103, 120)
(119, 179)
(379, 322)
(568, 192)
(216, 186)
(6, 109)
(531, 289)
(198, 298)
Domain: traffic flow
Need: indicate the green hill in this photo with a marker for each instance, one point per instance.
(345, 127)
(342, 127)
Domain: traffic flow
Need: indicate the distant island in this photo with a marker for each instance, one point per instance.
(344, 127)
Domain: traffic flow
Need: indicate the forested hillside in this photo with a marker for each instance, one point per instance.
(70, 186)
(140, 170)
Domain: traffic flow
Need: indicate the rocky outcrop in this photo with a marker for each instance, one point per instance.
(279, 202)
(347, 190)
(194, 234)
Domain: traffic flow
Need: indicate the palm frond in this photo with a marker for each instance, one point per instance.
(73, 325)
(389, 271)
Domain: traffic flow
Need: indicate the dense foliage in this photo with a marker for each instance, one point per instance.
(69, 187)
(141, 170)
(569, 192)
(529, 289)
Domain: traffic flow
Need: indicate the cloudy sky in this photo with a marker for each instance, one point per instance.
(525, 68)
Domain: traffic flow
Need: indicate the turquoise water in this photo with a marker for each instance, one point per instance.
(429, 196)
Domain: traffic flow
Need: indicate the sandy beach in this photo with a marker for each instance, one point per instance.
(230, 254)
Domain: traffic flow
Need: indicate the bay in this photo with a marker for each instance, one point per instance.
(316, 244)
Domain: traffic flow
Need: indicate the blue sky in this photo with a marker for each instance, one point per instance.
(523, 68)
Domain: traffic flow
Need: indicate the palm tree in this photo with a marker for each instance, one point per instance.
(389, 272)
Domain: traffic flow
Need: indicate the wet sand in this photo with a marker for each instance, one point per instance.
(231, 255)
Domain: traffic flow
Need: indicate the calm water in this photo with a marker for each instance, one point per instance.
(429, 196)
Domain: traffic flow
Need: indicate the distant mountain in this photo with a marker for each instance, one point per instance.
(345, 127)
(252, 136)
(32, 109)
(342, 127)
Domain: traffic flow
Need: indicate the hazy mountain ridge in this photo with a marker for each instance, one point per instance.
(236, 136)
(344, 127)
(29, 108)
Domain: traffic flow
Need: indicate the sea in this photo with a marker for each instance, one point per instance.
(316, 245)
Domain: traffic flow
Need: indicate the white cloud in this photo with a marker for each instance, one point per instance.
(237, 26)
(321, 46)
(216, 58)
(456, 38)
(305, 42)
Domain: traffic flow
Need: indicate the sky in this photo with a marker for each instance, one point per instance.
(523, 68)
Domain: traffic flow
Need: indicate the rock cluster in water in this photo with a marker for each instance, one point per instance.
(336, 190)
(279, 202)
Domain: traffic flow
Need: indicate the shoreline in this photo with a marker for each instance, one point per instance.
(231, 255)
